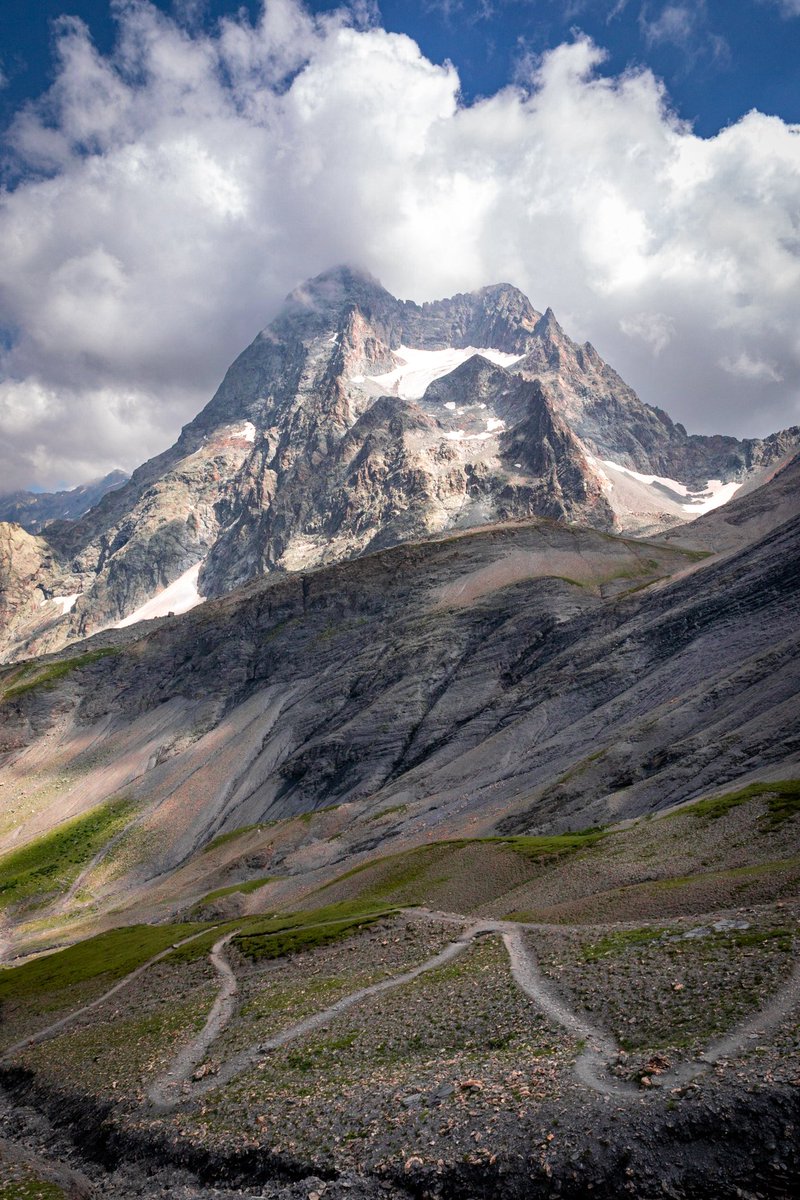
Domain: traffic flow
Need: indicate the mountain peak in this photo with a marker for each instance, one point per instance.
(338, 284)
(548, 326)
(314, 448)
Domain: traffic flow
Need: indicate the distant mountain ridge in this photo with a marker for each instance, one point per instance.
(356, 421)
(34, 510)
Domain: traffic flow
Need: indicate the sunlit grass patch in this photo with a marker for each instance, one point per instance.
(52, 862)
(310, 930)
(245, 888)
(222, 839)
(108, 956)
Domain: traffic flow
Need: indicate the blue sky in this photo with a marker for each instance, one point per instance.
(170, 171)
(719, 58)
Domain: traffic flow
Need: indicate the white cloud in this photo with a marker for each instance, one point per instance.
(685, 26)
(172, 193)
(654, 328)
(676, 24)
(751, 368)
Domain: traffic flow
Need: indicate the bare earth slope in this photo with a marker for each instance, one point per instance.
(523, 677)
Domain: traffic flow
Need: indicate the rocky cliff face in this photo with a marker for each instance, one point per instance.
(356, 421)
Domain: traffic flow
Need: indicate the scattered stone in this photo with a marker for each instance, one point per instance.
(204, 1070)
(657, 1064)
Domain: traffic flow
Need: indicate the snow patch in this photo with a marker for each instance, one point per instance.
(460, 435)
(451, 404)
(419, 368)
(248, 432)
(493, 424)
(694, 502)
(178, 597)
(66, 603)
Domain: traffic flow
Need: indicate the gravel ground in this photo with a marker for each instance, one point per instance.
(454, 1084)
(665, 991)
(277, 993)
(114, 1050)
(430, 1065)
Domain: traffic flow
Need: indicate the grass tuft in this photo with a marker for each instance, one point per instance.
(537, 849)
(320, 928)
(222, 839)
(782, 796)
(619, 941)
(111, 955)
(247, 886)
(388, 812)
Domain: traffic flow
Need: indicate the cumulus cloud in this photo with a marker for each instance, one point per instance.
(170, 194)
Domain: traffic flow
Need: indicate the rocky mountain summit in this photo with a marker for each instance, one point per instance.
(356, 421)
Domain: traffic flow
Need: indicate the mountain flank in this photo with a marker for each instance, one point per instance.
(526, 678)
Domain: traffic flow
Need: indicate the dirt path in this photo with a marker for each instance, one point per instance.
(163, 1091)
(749, 1030)
(592, 1066)
(163, 1099)
(53, 1030)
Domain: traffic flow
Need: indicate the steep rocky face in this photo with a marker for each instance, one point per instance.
(356, 421)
